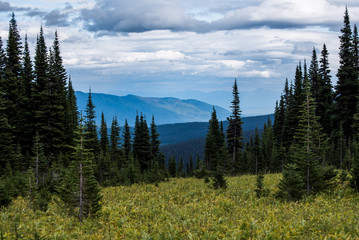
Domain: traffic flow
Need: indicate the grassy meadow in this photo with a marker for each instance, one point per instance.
(190, 209)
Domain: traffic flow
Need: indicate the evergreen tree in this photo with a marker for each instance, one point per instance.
(2, 67)
(39, 163)
(127, 142)
(190, 166)
(155, 145)
(103, 164)
(142, 144)
(347, 85)
(172, 167)
(218, 179)
(114, 142)
(80, 188)
(290, 120)
(356, 49)
(325, 93)
(90, 124)
(307, 146)
(27, 76)
(104, 143)
(13, 86)
(214, 143)
(268, 153)
(234, 130)
(257, 152)
(6, 143)
(314, 76)
(180, 168)
(291, 186)
(58, 92)
(71, 115)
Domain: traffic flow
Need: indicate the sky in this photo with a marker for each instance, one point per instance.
(189, 49)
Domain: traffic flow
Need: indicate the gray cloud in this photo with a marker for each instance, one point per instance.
(139, 16)
(146, 15)
(6, 7)
(56, 18)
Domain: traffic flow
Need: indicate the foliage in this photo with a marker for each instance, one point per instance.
(187, 209)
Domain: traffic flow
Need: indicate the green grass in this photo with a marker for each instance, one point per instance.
(190, 209)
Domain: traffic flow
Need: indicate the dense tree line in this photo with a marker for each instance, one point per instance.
(47, 147)
(315, 127)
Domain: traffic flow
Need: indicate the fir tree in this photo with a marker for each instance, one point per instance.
(325, 95)
(257, 152)
(26, 106)
(234, 130)
(91, 130)
(71, 115)
(114, 142)
(127, 142)
(172, 167)
(347, 85)
(13, 85)
(291, 186)
(307, 146)
(142, 144)
(80, 188)
(104, 143)
(155, 145)
(180, 168)
(214, 143)
(6, 143)
(39, 163)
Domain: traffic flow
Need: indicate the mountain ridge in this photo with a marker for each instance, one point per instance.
(167, 110)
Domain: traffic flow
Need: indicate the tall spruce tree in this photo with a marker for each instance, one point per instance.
(7, 149)
(90, 124)
(71, 115)
(214, 143)
(347, 85)
(114, 142)
(13, 85)
(142, 144)
(80, 188)
(58, 92)
(325, 96)
(155, 145)
(104, 143)
(127, 146)
(306, 148)
(234, 130)
(27, 76)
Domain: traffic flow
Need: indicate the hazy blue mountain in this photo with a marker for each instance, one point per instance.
(166, 110)
(174, 133)
(188, 139)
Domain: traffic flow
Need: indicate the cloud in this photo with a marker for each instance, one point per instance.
(56, 18)
(139, 16)
(146, 15)
(6, 7)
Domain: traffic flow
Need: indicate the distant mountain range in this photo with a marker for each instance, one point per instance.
(181, 124)
(166, 110)
(182, 140)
